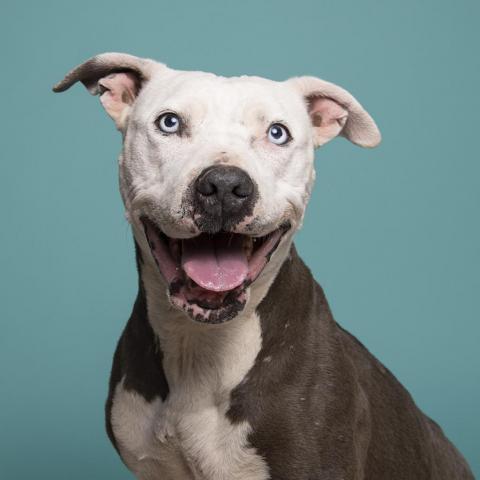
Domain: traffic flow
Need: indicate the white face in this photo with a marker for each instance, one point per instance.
(223, 121)
(177, 127)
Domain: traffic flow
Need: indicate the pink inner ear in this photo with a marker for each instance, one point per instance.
(119, 91)
(325, 111)
(328, 118)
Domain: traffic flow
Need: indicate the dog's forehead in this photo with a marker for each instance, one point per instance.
(204, 91)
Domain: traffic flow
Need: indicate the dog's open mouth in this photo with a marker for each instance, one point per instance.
(208, 275)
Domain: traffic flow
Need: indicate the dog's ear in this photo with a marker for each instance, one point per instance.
(116, 77)
(334, 111)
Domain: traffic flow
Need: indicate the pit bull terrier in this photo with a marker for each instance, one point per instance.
(231, 365)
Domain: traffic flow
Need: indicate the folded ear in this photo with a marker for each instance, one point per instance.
(116, 77)
(334, 111)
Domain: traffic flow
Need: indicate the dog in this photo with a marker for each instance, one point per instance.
(231, 365)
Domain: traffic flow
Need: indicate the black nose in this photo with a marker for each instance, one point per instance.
(224, 190)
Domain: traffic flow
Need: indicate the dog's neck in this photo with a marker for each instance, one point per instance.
(202, 354)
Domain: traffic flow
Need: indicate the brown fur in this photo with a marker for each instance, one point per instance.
(320, 405)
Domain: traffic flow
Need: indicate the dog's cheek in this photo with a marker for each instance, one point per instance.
(286, 186)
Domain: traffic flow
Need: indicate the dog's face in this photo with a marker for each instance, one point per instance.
(216, 172)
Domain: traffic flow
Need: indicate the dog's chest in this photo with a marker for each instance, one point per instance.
(189, 436)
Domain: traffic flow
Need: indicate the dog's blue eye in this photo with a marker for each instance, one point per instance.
(278, 134)
(168, 122)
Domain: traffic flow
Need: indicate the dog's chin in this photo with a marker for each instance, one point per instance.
(208, 276)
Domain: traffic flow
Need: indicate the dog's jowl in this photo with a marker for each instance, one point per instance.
(231, 365)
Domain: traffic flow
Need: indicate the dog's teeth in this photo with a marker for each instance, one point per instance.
(248, 246)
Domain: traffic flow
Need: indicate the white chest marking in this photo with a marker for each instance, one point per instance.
(189, 436)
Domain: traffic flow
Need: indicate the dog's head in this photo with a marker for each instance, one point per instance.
(216, 172)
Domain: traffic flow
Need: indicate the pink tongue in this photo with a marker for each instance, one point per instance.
(216, 263)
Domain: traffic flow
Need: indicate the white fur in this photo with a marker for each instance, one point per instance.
(228, 123)
(189, 436)
(228, 120)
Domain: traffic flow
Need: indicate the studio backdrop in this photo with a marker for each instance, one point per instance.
(391, 234)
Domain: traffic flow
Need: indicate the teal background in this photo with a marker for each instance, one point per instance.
(392, 234)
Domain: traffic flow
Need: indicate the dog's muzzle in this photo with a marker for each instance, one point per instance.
(208, 275)
(222, 197)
